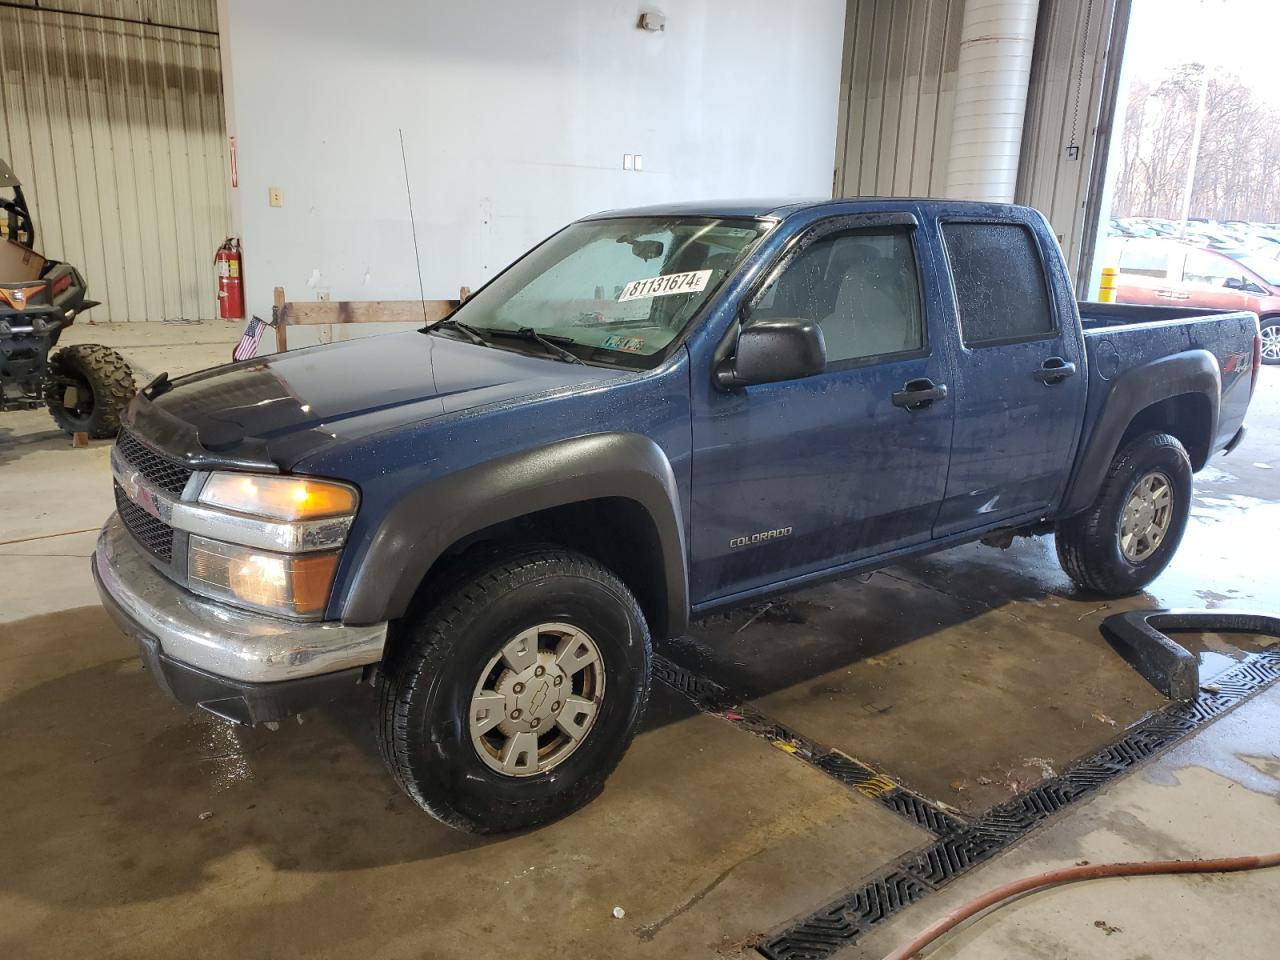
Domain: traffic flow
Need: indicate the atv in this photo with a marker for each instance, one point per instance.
(85, 386)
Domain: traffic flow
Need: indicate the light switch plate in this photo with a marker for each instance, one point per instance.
(626, 161)
(639, 162)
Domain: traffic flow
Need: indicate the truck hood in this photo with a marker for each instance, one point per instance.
(284, 407)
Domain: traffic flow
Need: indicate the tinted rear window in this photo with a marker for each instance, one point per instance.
(999, 282)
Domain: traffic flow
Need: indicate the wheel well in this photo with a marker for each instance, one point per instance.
(1187, 416)
(616, 531)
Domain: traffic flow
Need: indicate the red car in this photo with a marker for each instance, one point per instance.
(1169, 273)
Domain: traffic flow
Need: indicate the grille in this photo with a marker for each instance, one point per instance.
(156, 536)
(156, 470)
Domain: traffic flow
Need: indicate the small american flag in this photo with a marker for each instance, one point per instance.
(247, 348)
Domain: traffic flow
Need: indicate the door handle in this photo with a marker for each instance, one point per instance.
(1055, 370)
(918, 394)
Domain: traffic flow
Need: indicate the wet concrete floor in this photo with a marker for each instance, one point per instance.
(130, 827)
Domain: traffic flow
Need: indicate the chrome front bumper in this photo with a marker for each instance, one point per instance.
(215, 639)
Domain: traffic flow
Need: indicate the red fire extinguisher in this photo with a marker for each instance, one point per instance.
(230, 284)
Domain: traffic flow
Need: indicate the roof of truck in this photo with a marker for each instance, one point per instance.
(772, 208)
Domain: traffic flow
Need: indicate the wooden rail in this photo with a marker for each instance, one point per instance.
(285, 313)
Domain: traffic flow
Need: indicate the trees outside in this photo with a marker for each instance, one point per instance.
(1238, 173)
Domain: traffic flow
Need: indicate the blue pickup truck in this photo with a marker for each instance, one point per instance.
(654, 414)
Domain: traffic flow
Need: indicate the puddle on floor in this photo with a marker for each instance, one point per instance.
(1220, 652)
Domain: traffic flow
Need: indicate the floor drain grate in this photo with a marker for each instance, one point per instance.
(711, 697)
(844, 921)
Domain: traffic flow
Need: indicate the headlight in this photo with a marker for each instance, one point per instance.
(289, 584)
(280, 498)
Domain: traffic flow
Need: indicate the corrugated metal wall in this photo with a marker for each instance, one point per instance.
(1069, 104)
(897, 99)
(116, 130)
(897, 95)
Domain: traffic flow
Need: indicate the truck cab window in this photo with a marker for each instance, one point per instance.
(860, 286)
(999, 283)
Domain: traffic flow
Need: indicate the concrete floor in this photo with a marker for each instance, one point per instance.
(130, 827)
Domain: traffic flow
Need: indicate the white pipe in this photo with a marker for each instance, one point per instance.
(997, 38)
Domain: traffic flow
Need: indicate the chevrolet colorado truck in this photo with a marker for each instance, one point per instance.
(654, 414)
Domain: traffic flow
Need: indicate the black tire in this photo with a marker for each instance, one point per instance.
(1089, 543)
(1270, 328)
(429, 678)
(107, 382)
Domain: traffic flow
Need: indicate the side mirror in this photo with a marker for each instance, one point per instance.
(785, 348)
(1236, 283)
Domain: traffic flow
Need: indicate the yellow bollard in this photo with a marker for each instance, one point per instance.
(1107, 285)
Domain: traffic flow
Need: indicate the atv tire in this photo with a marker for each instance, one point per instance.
(104, 376)
(1092, 546)
(427, 727)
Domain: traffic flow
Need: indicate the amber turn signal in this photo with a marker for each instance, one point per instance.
(280, 498)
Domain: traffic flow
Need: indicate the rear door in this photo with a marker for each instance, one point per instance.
(1020, 384)
(1143, 269)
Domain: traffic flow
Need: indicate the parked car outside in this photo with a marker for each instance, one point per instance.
(1157, 272)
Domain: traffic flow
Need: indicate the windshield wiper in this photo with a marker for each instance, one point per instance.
(470, 332)
(550, 344)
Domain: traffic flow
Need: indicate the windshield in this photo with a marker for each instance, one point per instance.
(613, 291)
(1265, 267)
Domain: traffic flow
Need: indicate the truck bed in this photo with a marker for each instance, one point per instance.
(1095, 315)
(1121, 336)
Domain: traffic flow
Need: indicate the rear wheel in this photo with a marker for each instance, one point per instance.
(92, 385)
(510, 702)
(1129, 535)
(1271, 340)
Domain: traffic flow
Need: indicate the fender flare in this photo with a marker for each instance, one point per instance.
(427, 521)
(1187, 372)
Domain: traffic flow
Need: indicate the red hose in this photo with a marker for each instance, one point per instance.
(1092, 871)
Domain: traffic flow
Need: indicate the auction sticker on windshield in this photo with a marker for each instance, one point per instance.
(691, 282)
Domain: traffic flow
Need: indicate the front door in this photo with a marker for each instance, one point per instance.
(791, 478)
(1020, 379)
(1204, 283)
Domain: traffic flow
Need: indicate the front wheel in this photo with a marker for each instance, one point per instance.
(92, 385)
(509, 703)
(1270, 330)
(1129, 535)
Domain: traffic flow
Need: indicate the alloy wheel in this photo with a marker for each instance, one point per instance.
(537, 700)
(1271, 343)
(1147, 517)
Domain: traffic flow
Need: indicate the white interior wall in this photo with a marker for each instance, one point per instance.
(515, 116)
